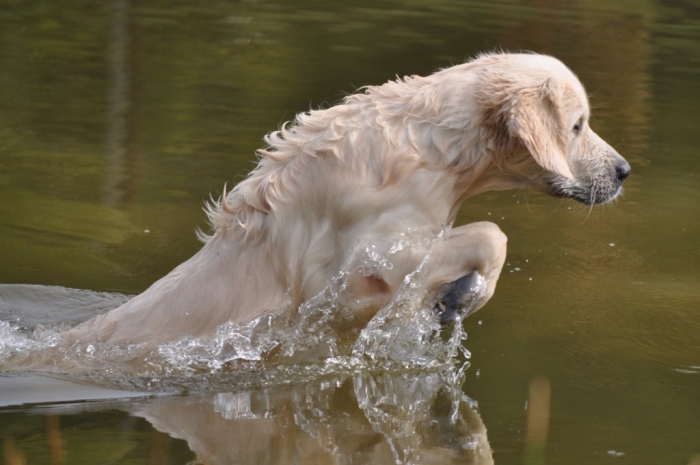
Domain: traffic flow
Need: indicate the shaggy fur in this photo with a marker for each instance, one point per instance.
(402, 155)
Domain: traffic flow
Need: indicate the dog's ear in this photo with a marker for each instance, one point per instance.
(534, 116)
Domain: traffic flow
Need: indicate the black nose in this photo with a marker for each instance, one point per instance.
(623, 170)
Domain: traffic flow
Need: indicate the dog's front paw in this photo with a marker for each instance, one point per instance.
(458, 298)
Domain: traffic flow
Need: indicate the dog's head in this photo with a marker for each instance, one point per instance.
(536, 113)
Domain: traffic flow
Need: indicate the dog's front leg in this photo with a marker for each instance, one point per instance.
(449, 271)
(462, 271)
(459, 268)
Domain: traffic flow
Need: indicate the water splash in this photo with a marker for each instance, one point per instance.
(275, 348)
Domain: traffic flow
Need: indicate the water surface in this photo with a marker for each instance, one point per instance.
(118, 119)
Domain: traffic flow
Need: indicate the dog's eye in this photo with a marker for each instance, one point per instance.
(577, 128)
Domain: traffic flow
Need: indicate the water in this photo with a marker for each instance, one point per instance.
(320, 337)
(117, 121)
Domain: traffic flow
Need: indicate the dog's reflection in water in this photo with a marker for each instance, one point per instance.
(385, 418)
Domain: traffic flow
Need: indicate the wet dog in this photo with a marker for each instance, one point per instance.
(396, 157)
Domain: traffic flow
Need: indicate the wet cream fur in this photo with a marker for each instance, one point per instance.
(402, 155)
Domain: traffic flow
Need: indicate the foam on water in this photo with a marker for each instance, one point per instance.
(289, 346)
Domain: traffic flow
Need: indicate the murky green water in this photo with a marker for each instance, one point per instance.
(118, 118)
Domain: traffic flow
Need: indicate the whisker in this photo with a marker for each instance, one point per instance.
(527, 201)
(561, 201)
(590, 209)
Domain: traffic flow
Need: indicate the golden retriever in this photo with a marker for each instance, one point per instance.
(396, 157)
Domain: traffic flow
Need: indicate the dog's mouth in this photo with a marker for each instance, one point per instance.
(597, 190)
